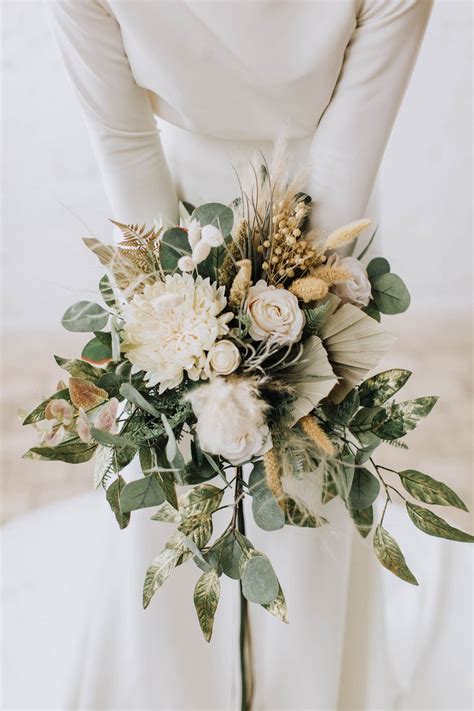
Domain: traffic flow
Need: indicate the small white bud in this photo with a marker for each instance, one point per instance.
(186, 264)
(194, 233)
(201, 251)
(212, 236)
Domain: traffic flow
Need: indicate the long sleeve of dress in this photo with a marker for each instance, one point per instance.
(117, 112)
(354, 129)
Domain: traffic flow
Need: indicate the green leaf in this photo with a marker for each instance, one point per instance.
(390, 294)
(343, 474)
(372, 311)
(396, 420)
(150, 465)
(85, 316)
(171, 446)
(297, 514)
(141, 493)
(72, 452)
(107, 292)
(132, 395)
(97, 351)
(231, 556)
(174, 244)
(329, 490)
(376, 267)
(429, 490)
(159, 570)
(389, 554)
(267, 513)
(434, 525)
(111, 382)
(315, 318)
(103, 464)
(259, 582)
(38, 413)
(343, 412)
(113, 497)
(167, 514)
(361, 426)
(365, 489)
(206, 599)
(381, 387)
(216, 214)
(79, 369)
(363, 519)
(278, 607)
(111, 440)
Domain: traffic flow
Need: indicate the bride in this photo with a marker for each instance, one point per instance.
(172, 93)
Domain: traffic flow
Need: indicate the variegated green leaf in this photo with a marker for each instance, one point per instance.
(79, 369)
(85, 316)
(396, 420)
(278, 607)
(434, 525)
(429, 490)
(167, 514)
(206, 599)
(297, 514)
(381, 387)
(203, 498)
(73, 452)
(38, 413)
(103, 464)
(363, 519)
(107, 292)
(159, 570)
(198, 528)
(389, 554)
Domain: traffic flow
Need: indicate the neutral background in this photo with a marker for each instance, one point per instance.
(52, 196)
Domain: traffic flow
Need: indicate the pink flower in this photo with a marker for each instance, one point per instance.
(83, 427)
(61, 411)
(106, 419)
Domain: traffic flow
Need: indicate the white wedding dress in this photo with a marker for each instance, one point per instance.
(218, 80)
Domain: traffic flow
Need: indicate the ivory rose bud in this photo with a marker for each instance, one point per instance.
(231, 419)
(224, 357)
(212, 236)
(356, 290)
(274, 313)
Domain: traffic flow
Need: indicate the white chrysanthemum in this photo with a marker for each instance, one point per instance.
(171, 326)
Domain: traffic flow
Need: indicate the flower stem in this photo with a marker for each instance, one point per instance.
(245, 649)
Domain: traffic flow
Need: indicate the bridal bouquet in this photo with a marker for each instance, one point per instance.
(231, 356)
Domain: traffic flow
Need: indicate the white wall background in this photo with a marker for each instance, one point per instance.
(51, 185)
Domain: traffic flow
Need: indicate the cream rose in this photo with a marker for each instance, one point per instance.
(231, 419)
(223, 358)
(274, 312)
(356, 290)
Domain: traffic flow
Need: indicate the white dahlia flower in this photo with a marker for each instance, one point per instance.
(171, 326)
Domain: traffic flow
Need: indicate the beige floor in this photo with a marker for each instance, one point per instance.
(437, 349)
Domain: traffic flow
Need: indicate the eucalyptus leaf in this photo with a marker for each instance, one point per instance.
(381, 387)
(113, 497)
(111, 440)
(97, 351)
(372, 311)
(216, 214)
(174, 244)
(389, 554)
(343, 474)
(434, 525)
(365, 489)
(390, 294)
(259, 582)
(376, 267)
(429, 490)
(231, 556)
(136, 398)
(361, 426)
(141, 493)
(267, 513)
(206, 599)
(204, 498)
(85, 316)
